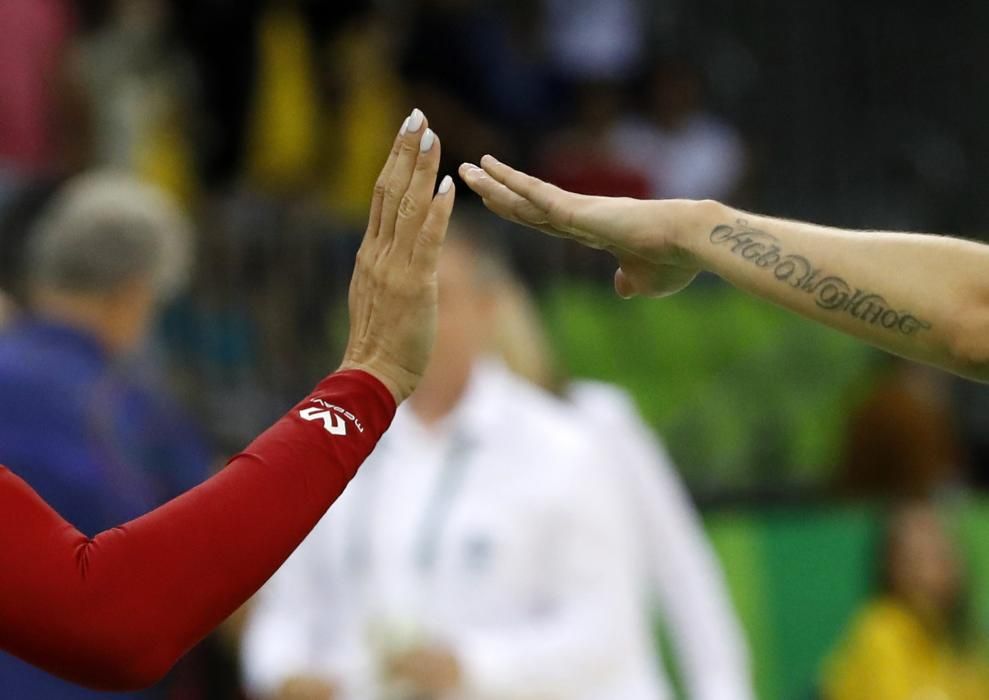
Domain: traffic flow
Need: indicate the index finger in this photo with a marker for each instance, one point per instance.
(544, 196)
(415, 121)
(504, 202)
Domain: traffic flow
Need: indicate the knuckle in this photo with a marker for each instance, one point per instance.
(424, 164)
(519, 209)
(393, 192)
(429, 237)
(408, 207)
(398, 286)
(380, 187)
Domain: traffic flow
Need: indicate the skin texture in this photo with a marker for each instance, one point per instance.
(393, 293)
(923, 297)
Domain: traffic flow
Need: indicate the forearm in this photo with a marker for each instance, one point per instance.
(116, 611)
(924, 297)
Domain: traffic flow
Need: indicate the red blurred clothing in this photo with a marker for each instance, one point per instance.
(115, 612)
(594, 173)
(34, 35)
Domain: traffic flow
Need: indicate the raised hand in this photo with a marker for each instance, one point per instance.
(643, 235)
(393, 293)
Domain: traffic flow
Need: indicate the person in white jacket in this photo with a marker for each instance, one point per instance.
(483, 552)
(684, 581)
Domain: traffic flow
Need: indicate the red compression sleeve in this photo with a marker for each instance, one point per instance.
(115, 612)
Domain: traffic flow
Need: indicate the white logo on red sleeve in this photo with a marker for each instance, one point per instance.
(333, 417)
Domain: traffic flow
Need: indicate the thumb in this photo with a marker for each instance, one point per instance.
(623, 286)
(634, 276)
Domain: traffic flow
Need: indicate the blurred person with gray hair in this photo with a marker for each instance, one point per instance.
(105, 253)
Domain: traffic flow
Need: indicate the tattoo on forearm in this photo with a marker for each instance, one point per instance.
(831, 293)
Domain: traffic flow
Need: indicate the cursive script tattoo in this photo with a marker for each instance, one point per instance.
(831, 293)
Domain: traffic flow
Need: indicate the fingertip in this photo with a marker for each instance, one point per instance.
(489, 160)
(623, 287)
(428, 140)
(415, 120)
(446, 184)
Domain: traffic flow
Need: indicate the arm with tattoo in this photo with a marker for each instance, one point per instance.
(921, 296)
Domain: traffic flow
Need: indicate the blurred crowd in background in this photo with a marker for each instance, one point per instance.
(266, 122)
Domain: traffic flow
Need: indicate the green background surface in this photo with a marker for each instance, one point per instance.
(752, 399)
(744, 394)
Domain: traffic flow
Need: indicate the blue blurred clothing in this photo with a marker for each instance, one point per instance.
(95, 440)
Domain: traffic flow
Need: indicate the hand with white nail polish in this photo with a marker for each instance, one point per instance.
(643, 235)
(393, 293)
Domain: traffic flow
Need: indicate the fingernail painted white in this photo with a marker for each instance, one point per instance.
(416, 119)
(428, 137)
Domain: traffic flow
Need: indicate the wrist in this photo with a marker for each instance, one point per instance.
(698, 219)
(394, 388)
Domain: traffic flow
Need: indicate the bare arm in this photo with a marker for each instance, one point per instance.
(921, 296)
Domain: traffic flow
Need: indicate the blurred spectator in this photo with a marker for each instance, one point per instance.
(471, 99)
(685, 583)
(595, 40)
(686, 151)
(912, 640)
(282, 129)
(139, 87)
(260, 69)
(481, 552)
(903, 439)
(35, 92)
(581, 157)
(104, 253)
(367, 98)
(7, 309)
